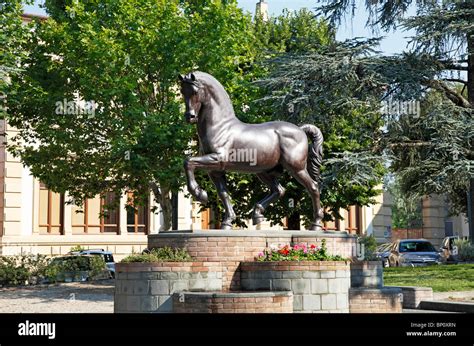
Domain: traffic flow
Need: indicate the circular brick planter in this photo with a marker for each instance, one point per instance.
(232, 247)
(148, 287)
(235, 302)
(367, 274)
(317, 286)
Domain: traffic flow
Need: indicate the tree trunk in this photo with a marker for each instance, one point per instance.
(470, 94)
(166, 209)
(163, 198)
(470, 68)
(294, 222)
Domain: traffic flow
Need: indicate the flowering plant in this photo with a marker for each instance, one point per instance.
(298, 252)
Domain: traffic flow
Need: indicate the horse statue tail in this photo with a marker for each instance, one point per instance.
(315, 157)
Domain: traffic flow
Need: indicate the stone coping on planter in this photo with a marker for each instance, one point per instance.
(195, 266)
(382, 290)
(253, 233)
(239, 294)
(366, 263)
(294, 265)
(412, 288)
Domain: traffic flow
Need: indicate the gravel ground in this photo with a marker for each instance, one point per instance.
(98, 297)
(76, 297)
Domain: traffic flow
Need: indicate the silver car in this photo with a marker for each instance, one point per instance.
(106, 255)
(413, 253)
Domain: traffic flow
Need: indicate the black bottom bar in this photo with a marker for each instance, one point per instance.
(190, 329)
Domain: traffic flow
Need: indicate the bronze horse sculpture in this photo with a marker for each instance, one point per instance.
(227, 144)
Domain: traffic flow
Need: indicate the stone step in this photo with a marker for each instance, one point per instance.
(233, 302)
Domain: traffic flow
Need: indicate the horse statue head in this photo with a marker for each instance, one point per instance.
(192, 93)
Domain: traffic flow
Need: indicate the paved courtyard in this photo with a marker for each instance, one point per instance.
(95, 297)
(98, 297)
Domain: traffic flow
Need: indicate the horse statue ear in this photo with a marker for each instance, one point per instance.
(181, 77)
(193, 77)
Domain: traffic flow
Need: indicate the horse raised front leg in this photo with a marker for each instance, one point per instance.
(276, 191)
(208, 162)
(219, 180)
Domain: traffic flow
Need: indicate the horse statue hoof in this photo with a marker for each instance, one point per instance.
(226, 226)
(257, 216)
(316, 227)
(257, 219)
(201, 196)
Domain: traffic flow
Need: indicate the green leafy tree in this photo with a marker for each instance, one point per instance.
(119, 60)
(406, 210)
(13, 33)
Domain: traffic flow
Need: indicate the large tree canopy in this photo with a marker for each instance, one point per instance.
(431, 151)
(119, 61)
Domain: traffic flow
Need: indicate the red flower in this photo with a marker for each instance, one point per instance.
(313, 246)
(284, 251)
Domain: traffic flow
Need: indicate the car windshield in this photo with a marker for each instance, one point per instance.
(416, 246)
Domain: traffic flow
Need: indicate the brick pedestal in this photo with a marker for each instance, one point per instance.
(232, 247)
(227, 302)
(367, 274)
(375, 300)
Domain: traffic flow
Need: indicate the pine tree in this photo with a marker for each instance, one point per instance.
(432, 152)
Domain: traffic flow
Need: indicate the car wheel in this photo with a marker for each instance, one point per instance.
(386, 263)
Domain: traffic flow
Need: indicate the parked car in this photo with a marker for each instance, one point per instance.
(106, 255)
(448, 251)
(382, 252)
(413, 252)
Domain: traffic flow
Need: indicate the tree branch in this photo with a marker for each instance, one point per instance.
(455, 80)
(156, 191)
(451, 94)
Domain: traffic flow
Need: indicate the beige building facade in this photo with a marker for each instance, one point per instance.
(34, 219)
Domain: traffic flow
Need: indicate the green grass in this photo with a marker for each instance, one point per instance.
(442, 278)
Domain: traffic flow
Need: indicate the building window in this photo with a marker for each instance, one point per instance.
(331, 225)
(51, 211)
(137, 216)
(353, 219)
(96, 216)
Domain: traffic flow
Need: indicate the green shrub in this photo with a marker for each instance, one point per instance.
(165, 254)
(22, 269)
(465, 249)
(77, 248)
(370, 247)
(61, 267)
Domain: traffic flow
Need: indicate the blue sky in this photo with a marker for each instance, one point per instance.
(394, 42)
